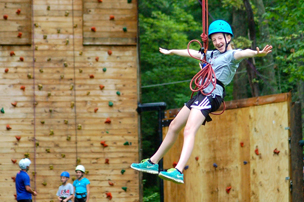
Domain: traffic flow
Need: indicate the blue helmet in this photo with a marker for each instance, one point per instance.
(219, 26)
(65, 174)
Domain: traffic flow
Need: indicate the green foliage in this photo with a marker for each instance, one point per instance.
(151, 194)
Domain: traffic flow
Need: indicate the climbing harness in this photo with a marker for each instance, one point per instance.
(206, 75)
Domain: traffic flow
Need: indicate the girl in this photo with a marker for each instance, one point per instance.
(224, 61)
(82, 185)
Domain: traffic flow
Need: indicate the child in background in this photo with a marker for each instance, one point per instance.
(65, 191)
(82, 185)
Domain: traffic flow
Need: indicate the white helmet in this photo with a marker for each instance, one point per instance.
(24, 163)
(80, 168)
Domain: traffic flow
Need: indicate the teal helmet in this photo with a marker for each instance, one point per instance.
(219, 26)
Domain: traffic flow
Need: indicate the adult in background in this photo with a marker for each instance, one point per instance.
(23, 186)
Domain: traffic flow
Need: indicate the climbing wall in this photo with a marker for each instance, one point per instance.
(242, 155)
(68, 95)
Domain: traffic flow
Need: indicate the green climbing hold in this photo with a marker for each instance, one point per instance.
(123, 171)
(126, 143)
(117, 92)
(2, 110)
(129, 1)
(124, 188)
(125, 29)
(111, 104)
(104, 69)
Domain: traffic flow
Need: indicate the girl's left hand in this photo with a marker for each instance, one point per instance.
(267, 49)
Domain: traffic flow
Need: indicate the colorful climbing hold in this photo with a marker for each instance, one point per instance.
(242, 144)
(111, 17)
(51, 132)
(88, 93)
(109, 195)
(174, 164)
(18, 11)
(109, 52)
(228, 189)
(40, 86)
(103, 143)
(49, 94)
(124, 188)
(117, 93)
(126, 143)
(2, 110)
(37, 144)
(44, 183)
(51, 167)
(72, 104)
(108, 120)
(66, 13)
(65, 64)
(78, 161)
(111, 104)
(276, 151)
(101, 87)
(6, 70)
(66, 121)
(100, 1)
(245, 162)
(186, 167)
(48, 150)
(67, 42)
(80, 53)
(22, 88)
(80, 70)
(93, 29)
(122, 171)
(8, 127)
(215, 165)
(42, 122)
(196, 158)
(14, 160)
(63, 155)
(96, 109)
(104, 69)
(14, 179)
(21, 59)
(12, 53)
(5, 17)
(256, 151)
(18, 137)
(111, 183)
(125, 29)
(14, 104)
(96, 59)
(75, 26)
(71, 86)
(26, 155)
(19, 34)
(29, 75)
(44, 36)
(41, 70)
(107, 161)
(91, 76)
(68, 138)
(86, 172)
(79, 127)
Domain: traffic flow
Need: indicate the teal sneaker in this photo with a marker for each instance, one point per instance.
(172, 175)
(145, 166)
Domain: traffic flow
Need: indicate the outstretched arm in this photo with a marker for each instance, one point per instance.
(180, 52)
(248, 53)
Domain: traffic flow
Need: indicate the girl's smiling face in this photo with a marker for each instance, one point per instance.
(219, 42)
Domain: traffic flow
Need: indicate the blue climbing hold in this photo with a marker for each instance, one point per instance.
(186, 167)
(245, 162)
(215, 165)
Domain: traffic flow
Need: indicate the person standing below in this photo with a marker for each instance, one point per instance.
(82, 185)
(22, 182)
(66, 190)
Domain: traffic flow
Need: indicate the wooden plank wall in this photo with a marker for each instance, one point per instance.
(263, 178)
(66, 103)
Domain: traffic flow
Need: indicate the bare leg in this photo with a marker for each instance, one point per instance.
(175, 127)
(195, 120)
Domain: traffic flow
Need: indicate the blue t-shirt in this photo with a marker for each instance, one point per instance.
(81, 187)
(22, 180)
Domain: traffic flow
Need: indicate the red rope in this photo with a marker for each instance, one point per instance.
(206, 75)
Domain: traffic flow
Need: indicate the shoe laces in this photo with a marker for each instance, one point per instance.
(144, 160)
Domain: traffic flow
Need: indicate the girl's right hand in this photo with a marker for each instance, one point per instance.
(165, 51)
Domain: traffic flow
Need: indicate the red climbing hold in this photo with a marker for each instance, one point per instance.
(101, 87)
(21, 59)
(20, 34)
(242, 144)
(91, 76)
(107, 161)
(256, 151)
(14, 179)
(196, 158)
(108, 120)
(96, 109)
(14, 160)
(12, 53)
(111, 183)
(14, 104)
(97, 59)
(18, 11)
(6, 70)
(109, 52)
(18, 137)
(100, 1)
(22, 88)
(276, 151)
(103, 143)
(93, 29)
(8, 127)
(228, 189)
(174, 164)
(109, 195)
(111, 17)
(5, 17)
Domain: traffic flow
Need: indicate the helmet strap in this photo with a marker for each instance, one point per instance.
(227, 44)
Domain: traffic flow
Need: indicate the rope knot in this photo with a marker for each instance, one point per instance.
(204, 37)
